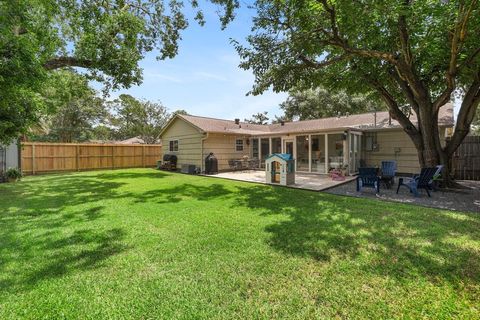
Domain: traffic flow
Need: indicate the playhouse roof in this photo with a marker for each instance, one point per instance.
(283, 156)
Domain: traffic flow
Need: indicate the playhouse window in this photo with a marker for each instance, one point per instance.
(173, 146)
(239, 145)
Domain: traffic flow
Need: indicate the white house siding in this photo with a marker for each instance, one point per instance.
(10, 156)
(388, 141)
(223, 147)
(189, 142)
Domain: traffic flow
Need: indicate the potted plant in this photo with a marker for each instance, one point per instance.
(13, 174)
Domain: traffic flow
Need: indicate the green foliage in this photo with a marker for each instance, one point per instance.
(75, 108)
(13, 174)
(144, 244)
(179, 111)
(412, 54)
(258, 118)
(106, 38)
(138, 118)
(320, 103)
(294, 44)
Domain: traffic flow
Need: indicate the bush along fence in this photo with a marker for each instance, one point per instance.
(56, 157)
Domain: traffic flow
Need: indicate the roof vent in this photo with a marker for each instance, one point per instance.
(237, 121)
(282, 123)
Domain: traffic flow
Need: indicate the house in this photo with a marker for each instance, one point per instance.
(9, 156)
(317, 145)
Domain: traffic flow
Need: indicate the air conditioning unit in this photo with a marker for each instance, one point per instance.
(188, 168)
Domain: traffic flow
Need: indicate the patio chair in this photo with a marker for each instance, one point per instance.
(235, 165)
(421, 181)
(367, 177)
(436, 177)
(389, 169)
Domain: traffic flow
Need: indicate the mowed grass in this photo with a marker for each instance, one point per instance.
(146, 244)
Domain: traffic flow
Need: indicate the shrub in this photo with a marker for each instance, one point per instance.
(13, 174)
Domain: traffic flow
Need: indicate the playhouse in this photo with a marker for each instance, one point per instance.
(280, 168)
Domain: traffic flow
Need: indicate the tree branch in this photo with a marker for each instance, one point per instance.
(325, 63)
(406, 89)
(335, 39)
(61, 62)
(465, 116)
(396, 113)
(404, 37)
(458, 38)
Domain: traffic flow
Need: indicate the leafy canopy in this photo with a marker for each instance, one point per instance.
(412, 54)
(138, 118)
(106, 38)
(258, 118)
(76, 108)
(320, 103)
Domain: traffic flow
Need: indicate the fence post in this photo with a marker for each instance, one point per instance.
(143, 155)
(113, 157)
(33, 158)
(77, 157)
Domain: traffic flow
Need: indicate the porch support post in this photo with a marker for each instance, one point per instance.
(346, 151)
(309, 153)
(326, 153)
(270, 145)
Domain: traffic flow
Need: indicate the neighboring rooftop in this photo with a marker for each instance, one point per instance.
(364, 121)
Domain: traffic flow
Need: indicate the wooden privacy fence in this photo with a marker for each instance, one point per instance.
(51, 157)
(466, 160)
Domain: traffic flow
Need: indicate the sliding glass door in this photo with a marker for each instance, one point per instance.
(264, 150)
(354, 152)
(318, 153)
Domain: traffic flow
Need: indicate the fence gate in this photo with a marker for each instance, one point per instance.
(466, 160)
(3, 160)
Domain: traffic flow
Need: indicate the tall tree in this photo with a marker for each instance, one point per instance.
(320, 103)
(258, 118)
(76, 108)
(412, 54)
(106, 38)
(139, 118)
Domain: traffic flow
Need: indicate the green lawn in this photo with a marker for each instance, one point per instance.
(147, 244)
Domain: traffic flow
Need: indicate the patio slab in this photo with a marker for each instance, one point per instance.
(467, 199)
(307, 181)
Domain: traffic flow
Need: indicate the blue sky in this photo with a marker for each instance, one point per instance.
(204, 79)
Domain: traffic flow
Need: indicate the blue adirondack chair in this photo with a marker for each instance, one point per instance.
(421, 181)
(389, 169)
(367, 177)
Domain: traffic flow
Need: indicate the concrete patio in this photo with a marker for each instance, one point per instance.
(307, 181)
(466, 199)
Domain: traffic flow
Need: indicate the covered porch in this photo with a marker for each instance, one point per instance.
(316, 182)
(313, 152)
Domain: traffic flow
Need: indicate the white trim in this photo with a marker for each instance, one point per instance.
(238, 145)
(326, 154)
(309, 153)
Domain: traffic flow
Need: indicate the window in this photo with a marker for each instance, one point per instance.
(173, 146)
(239, 145)
(255, 148)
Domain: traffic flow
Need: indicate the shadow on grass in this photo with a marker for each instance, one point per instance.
(385, 238)
(183, 192)
(45, 235)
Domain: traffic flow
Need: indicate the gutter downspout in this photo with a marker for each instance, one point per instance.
(201, 154)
